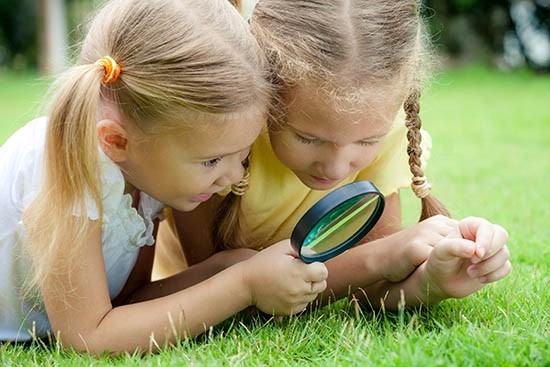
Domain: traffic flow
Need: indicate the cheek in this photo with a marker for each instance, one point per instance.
(293, 155)
(197, 181)
(365, 157)
(183, 178)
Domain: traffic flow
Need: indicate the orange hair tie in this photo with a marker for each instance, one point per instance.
(112, 69)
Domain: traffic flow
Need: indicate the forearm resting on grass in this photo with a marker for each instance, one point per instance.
(191, 276)
(466, 260)
(83, 317)
(389, 259)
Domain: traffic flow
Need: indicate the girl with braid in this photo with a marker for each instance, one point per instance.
(166, 99)
(347, 78)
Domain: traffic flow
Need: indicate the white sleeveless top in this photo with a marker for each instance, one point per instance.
(124, 229)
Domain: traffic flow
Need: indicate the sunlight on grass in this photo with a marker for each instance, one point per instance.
(491, 134)
(20, 100)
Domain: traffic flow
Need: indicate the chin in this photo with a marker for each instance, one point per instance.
(186, 206)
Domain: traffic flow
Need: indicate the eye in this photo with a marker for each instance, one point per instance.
(368, 143)
(304, 140)
(212, 162)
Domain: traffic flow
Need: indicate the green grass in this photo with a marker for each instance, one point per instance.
(20, 100)
(490, 158)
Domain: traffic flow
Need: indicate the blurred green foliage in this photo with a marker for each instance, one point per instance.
(463, 29)
(468, 28)
(20, 29)
(18, 33)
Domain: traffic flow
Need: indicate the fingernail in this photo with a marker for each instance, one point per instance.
(483, 279)
(472, 272)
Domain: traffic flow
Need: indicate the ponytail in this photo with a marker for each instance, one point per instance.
(420, 185)
(179, 60)
(56, 221)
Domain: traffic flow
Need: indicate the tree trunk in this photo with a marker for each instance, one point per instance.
(53, 36)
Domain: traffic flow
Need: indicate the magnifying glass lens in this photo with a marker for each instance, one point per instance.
(340, 224)
(338, 221)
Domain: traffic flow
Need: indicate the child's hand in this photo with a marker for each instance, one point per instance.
(282, 284)
(491, 247)
(412, 246)
(468, 259)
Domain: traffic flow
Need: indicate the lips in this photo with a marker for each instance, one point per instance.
(324, 181)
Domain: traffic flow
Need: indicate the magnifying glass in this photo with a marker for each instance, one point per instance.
(337, 221)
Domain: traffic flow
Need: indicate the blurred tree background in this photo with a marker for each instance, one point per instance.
(39, 34)
(504, 33)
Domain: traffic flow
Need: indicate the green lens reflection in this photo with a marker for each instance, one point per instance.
(340, 224)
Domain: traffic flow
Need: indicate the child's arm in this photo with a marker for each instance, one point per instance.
(392, 258)
(459, 265)
(390, 221)
(82, 316)
(389, 256)
(139, 286)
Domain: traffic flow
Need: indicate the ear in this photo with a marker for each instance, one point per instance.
(113, 140)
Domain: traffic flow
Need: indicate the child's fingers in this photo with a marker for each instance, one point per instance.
(309, 295)
(500, 238)
(315, 272)
(489, 265)
(478, 230)
(441, 224)
(454, 233)
(451, 248)
(299, 308)
(318, 287)
(469, 227)
(498, 274)
(451, 224)
(483, 238)
(490, 239)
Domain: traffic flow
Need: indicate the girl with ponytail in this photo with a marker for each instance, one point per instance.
(161, 110)
(347, 78)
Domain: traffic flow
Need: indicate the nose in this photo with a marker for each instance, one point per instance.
(232, 174)
(334, 166)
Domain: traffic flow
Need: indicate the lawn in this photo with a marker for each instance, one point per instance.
(20, 100)
(491, 158)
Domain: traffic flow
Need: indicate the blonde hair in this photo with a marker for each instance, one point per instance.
(179, 59)
(237, 4)
(345, 46)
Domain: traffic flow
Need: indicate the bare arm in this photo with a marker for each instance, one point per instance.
(468, 258)
(179, 265)
(388, 254)
(84, 318)
(359, 266)
(144, 289)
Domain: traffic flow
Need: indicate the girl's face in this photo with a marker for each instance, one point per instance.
(323, 141)
(185, 170)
